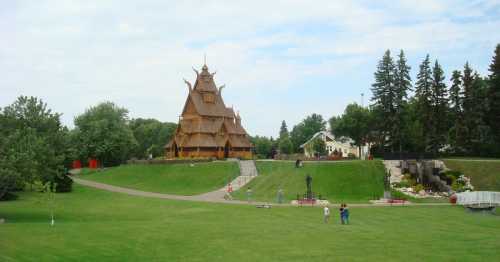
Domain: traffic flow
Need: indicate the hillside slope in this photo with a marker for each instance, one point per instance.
(349, 181)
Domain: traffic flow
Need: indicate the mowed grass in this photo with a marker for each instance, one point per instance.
(348, 181)
(94, 225)
(485, 175)
(179, 179)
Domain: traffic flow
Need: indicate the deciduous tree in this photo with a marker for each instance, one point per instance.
(103, 133)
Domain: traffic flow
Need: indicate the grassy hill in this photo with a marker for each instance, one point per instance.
(180, 179)
(94, 225)
(349, 181)
(484, 174)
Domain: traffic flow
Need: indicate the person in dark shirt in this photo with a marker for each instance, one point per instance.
(341, 213)
(346, 214)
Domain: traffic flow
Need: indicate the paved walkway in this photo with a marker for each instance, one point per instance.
(248, 171)
(393, 169)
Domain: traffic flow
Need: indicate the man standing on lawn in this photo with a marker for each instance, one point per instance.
(326, 214)
(249, 194)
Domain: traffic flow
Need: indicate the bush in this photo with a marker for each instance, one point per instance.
(458, 185)
(405, 183)
(418, 188)
(398, 195)
(63, 183)
(453, 173)
(8, 196)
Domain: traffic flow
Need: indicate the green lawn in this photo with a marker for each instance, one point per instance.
(348, 181)
(180, 179)
(485, 175)
(94, 225)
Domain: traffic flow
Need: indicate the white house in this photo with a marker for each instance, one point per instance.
(343, 145)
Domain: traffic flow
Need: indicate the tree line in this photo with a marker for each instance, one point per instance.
(460, 118)
(36, 148)
(427, 115)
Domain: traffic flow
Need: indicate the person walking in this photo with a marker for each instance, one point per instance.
(249, 194)
(346, 214)
(341, 213)
(326, 214)
(280, 196)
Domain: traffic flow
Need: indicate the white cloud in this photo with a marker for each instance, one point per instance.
(77, 53)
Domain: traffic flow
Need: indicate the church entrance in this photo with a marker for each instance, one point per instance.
(176, 150)
(226, 150)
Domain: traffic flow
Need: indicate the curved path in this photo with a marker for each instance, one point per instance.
(206, 197)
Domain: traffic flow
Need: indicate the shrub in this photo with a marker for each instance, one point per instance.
(418, 188)
(63, 183)
(453, 173)
(8, 196)
(450, 179)
(398, 195)
(403, 183)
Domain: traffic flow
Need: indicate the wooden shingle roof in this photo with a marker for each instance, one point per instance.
(206, 121)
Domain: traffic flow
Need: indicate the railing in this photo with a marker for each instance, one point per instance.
(479, 198)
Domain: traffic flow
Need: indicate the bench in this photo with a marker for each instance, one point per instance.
(306, 202)
(396, 201)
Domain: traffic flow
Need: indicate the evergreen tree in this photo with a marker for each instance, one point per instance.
(469, 116)
(481, 138)
(478, 140)
(283, 129)
(456, 93)
(494, 98)
(285, 143)
(402, 86)
(423, 95)
(385, 96)
(456, 133)
(439, 102)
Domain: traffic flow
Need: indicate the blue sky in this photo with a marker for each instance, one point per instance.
(279, 60)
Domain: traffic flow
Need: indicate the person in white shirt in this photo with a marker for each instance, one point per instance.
(326, 214)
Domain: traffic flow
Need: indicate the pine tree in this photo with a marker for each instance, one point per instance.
(456, 133)
(284, 142)
(384, 95)
(494, 97)
(283, 129)
(468, 106)
(439, 102)
(423, 95)
(402, 86)
(478, 134)
(456, 93)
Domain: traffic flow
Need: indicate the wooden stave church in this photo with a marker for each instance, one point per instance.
(207, 128)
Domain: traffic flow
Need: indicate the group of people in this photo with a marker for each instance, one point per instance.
(344, 214)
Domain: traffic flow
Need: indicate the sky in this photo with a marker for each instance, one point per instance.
(279, 60)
